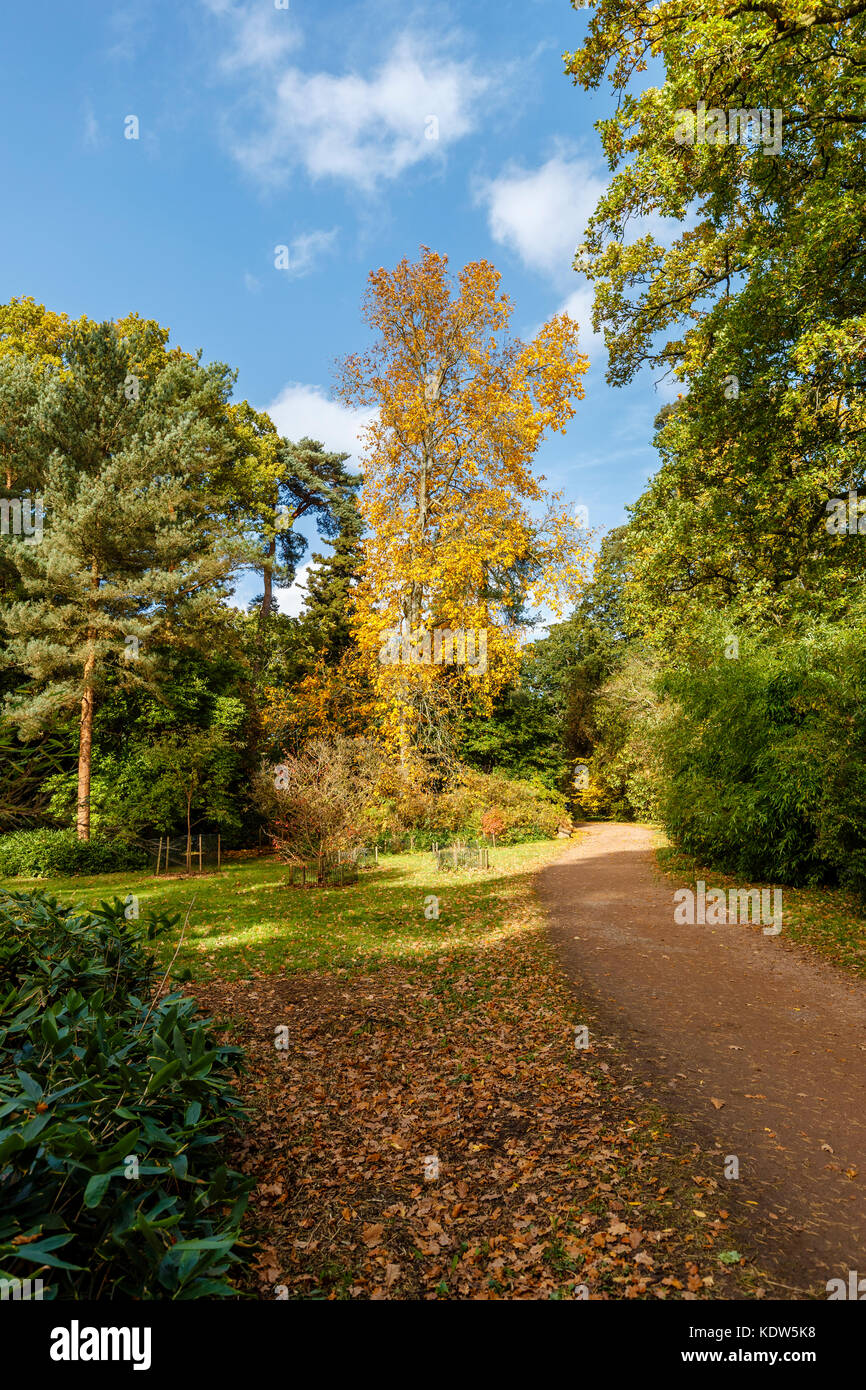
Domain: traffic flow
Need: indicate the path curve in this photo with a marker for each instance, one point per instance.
(724, 1013)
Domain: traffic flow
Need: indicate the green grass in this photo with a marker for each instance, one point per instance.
(826, 922)
(247, 918)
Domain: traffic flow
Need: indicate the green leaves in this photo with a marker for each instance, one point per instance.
(96, 1189)
(110, 1110)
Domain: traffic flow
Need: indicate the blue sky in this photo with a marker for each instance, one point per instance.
(309, 127)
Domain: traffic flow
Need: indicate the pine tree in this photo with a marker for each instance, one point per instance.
(132, 557)
(327, 612)
(267, 486)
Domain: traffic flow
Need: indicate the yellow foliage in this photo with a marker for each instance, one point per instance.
(330, 701)
(456, 520)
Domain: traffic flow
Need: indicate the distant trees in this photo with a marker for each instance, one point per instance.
(268, 484)
(141, 698)
(155, 490)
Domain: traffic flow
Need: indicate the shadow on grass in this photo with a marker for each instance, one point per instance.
(249, 918)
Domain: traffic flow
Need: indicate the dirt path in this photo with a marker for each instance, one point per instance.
(723, 1013)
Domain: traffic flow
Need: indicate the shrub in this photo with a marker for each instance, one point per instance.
(111, 1109)
(55, 853)
(764, 766)
(492, 823)
(526, 810)
(315, 803)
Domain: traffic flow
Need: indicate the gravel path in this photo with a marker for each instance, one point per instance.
(761, 1051)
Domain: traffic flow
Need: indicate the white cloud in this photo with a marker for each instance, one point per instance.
(305, 249)
(251, 283)
(302, 410)
(362, 129)
(541, 213)
(291, 599)
(261, 35)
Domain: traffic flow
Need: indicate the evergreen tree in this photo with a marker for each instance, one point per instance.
(132, 557)
(327, 611)
(267, 486)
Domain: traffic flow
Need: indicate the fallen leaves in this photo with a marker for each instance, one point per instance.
(431, 1132)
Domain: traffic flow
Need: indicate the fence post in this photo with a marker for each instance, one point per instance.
(158, 856)
(218, 854)
(199, 853)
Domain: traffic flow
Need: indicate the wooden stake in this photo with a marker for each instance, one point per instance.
(199, 853)
(158, 856)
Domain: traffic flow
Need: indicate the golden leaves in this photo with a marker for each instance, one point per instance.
(449, 497)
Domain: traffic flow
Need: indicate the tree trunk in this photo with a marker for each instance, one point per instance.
(85, 749)
(85, 736)
(268, 575)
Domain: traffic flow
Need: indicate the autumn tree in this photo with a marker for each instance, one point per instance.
(315, 802)
(459, 530)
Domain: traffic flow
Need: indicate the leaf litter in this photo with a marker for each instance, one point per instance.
(431, 1131)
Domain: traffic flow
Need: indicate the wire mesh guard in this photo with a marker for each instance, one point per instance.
(462, 857)
(190, 854)
(364, 857)
(329, 873)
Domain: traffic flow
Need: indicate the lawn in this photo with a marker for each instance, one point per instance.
(249, 919)
(428, 1128)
